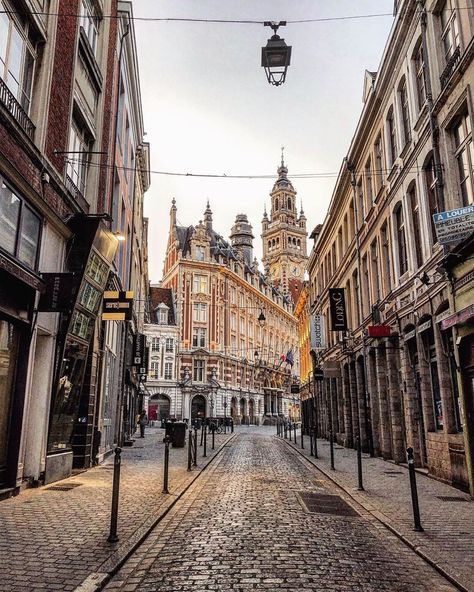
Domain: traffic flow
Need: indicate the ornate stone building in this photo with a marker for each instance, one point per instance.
(409, 159)
(238, 334)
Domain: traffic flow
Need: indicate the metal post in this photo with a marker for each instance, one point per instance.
(195, 446)
(190, 449)
(213, 436)
(167, 441)
(205, 441)
(331, 435)
(232, 425)
(311, 441)
(315, 436)
(359, 464)
(113, 538)
(294, 430)
(202, 433)
(414, 492)
(302, 440)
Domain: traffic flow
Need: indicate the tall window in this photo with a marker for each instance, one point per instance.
(415, 216)
(374, 264)
(200, 253)
(405, 111)
(379, 172)
(392, 137)
(355, 283)
(200, 283)
(365, 286)
(464, 152)
(384, 241)
(17, 56)
(430, 180)
(198, 370)
(89, 23)
(199, 337)
(154, 370)
(200, 312)
(79, 147)
(369, 183)
(19, 227)
(169, 345)
(418, 67)
(155, 344)
(168, 370)
(450, 33)
(401, 240)
(163, 316)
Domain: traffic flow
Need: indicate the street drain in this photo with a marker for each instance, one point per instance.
(451, 498)
(66, 487)
(393, 472)
(321, 503)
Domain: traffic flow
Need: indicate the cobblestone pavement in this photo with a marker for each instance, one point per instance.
(448, 537)
(53, 540)
(242, 526)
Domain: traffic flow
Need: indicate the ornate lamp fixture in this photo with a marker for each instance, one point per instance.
(276, 55)
(261, 318)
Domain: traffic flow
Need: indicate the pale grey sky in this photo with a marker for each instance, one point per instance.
(209, 109)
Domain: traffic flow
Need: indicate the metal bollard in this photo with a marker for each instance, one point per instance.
(113, 538)
(302, 437)
(213, 436)
(232, 426)
(359, 464)
(190, 449)
(205, 441)
(331, 450)
(195, 446)
(202, 433)
(315, 436)
(311, 442)
(414, 492)
(278, 427)
(294, 429)
(166, 465)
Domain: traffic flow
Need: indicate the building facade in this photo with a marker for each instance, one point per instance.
(408, 160)
(238, 339)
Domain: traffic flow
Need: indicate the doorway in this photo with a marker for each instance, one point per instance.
(198, 407)
(159, 408)
(8, 356)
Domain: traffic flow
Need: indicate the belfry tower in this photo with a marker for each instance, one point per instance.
(284, 237)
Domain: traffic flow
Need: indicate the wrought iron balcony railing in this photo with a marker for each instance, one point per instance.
(13, 106)
(450, 67)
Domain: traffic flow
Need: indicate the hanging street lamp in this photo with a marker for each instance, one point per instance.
(261, 318)
(276, 55)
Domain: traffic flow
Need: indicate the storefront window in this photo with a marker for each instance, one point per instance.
(437, 403)
(8, 356)
(9, 216)
(29, 238)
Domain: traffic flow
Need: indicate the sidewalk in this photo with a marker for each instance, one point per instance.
(447, 514)
(57, 539)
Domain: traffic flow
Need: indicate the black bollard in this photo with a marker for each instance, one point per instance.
(190, 449)
(315, 437)
(166, 465)
(205, 441)
(202, 433)
(359, 464)
(294, 429)
(213, 436)
(414, 492)
(311, 442)
(278, 428)
(195, 446)
(113, 538)
(302, 440)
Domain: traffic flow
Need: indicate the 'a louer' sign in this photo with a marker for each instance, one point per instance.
(454, 225)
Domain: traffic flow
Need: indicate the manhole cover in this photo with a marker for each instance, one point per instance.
(393, 472)
(451, 498)
(66, 487)
(322, 503)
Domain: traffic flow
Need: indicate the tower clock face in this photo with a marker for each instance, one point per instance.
(295, 270)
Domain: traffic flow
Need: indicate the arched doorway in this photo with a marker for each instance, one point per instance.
(251, 411)
(242, 410)
(159, 408)
(233, 407)
(198, 407)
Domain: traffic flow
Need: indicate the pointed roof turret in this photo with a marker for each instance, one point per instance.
(173, 211)
(208, 216)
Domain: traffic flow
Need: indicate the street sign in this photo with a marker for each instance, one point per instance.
(117, 306)
(379, 331)
(454, 225)
(337, 305)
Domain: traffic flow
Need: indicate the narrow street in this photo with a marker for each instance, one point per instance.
(243, 526)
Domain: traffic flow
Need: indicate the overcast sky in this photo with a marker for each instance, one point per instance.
(209, 109)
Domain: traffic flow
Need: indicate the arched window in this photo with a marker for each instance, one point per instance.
(401, 240)
(404, 110)
(269, 245)
(415, 216)
(430, 185)
(276, 203)
(289, 203)
(418, 67)
(392, 137)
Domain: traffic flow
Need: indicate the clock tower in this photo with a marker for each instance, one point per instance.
(284, 237)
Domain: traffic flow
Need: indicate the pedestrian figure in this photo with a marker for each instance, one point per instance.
(142, 422)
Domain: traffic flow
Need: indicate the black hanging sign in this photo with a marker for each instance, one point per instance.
(139, 350)
(337, 305)
(59, 294)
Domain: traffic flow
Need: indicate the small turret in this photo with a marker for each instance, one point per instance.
(173, 211)
(208, 216)
(241, 237)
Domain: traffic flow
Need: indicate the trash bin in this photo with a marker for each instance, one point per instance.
(178, 436)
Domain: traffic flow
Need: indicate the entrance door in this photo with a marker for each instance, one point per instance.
(8, 357)
(251, 411)
(198, 407)
(159, 408)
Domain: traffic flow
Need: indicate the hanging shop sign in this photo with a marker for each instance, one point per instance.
(117, 306)
(455, 225)
(318, 374)
(379, 331)
(318, 340)
(337, 303)
(139, 344)
(295, 389)
(59, 294)
(332, 369)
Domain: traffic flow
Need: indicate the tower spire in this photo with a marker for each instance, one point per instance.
(282, 156)
(208, 216)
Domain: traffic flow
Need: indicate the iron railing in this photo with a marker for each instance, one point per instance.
(450, 67)
(17, 111)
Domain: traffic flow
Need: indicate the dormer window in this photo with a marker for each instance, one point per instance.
(162, 314)
(200, 253)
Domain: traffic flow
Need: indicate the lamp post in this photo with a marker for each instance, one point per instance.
(214, 385)
(276, 55)
(224, 404)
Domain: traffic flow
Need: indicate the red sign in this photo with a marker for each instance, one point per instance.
(380, 331)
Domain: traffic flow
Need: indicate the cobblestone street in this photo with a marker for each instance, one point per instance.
(243, 526)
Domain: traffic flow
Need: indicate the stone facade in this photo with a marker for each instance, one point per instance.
(379, 243)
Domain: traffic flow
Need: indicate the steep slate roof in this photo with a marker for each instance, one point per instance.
(165, 296)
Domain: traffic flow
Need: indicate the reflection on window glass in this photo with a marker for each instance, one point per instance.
(80, 325)
(97, 270)
(89, 297)
(29, 238)
(9, 213)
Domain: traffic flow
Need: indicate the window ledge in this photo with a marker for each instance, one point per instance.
(406, 149)
(393, 171)
(421, 117)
